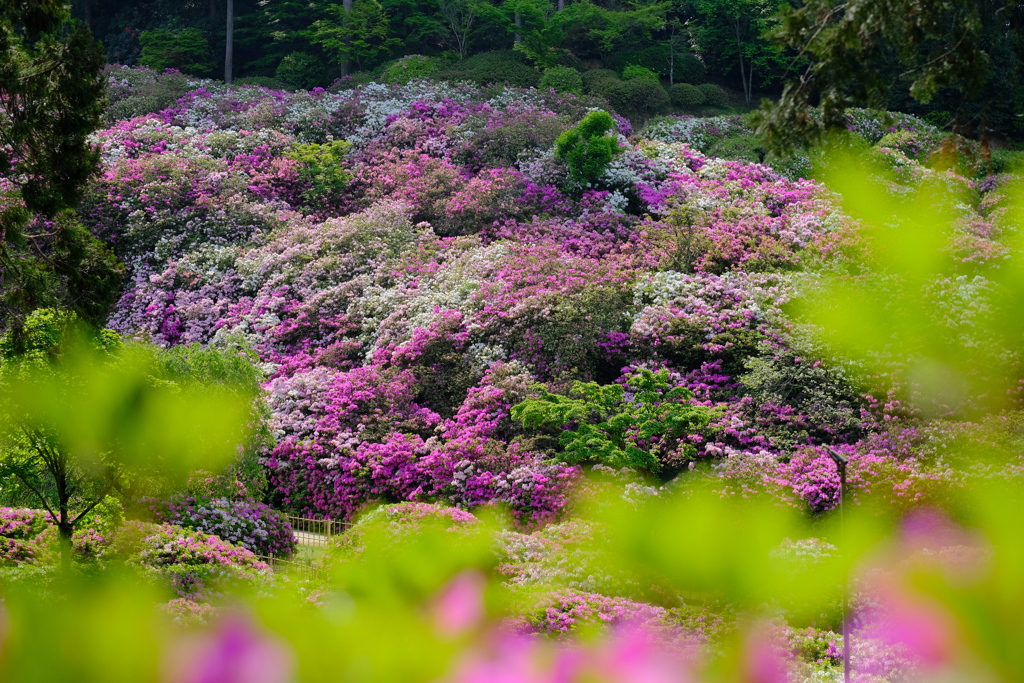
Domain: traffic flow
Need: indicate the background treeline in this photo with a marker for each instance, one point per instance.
(309, 43)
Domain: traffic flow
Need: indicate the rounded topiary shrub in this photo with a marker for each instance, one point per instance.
(502, 67)
(634, 71)
(637, 96)
(562, 79)
(714, 95)
(410, 67)
(300, 71)
(596, 79)
(587, 149)
(689, 69)
(686, 95)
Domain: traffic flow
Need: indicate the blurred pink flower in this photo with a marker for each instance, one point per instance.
(234, 652)
(460, 605)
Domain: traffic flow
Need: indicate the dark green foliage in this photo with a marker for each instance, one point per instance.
(601, 424)
(714, 95)
(686, 96)
(300, 71)
(638, 97)
(494, 68)
(689, 69)
(410, 67)
(51, 99)
(653, 57)
(587, 149)
(562, 79)
(858, 51)
(187, 51)
(594, 79)
(634, 71)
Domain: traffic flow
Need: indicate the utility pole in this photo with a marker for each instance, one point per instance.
(841, 461)
(229, 48)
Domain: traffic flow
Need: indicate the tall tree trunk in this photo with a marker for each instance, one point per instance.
(743, 73)
(561, 5)
(87, 12)
(229, 47)
(671, 57)
(346, 65)
(518, 38)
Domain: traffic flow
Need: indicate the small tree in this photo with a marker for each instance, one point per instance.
(644, 429)
(460, 18)
(51, 99)
(83, 416)
(587, 149)
(360, 35)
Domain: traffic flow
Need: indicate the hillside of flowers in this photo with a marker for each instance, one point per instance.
(569, 381)
(411, 263)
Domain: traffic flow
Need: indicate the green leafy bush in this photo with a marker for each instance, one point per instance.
(502, 67)
(689, 69)
(645, 431)
(562, 79)
(187, 51)
(323, 168)
(714, 95)
(300, 71)
(587, 149)
(636, 97)
(594, 79)
(686, 95)
(410, 67)
(633, 71)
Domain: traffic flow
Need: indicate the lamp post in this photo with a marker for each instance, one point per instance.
(841, 460)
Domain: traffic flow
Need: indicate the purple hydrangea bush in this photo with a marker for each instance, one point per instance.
(252, 525)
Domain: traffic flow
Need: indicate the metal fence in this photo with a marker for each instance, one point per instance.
(315, 533)
(303, 568)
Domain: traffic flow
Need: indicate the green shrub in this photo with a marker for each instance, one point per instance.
(562, 79)
(646, 431)
(634, 71)
(263, 81)
(1006, 161)
(714, 95)
(587, 149)
(410, 67)
(323, 168)
(686, 95)
(689, 69)
(593, 79)
(502, 67)
(187, 51)
(300, 71)
(638, 96)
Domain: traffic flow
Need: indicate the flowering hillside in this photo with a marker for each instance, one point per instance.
(579, 389)
(411, 262)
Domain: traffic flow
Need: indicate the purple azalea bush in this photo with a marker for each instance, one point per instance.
(254, 526)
